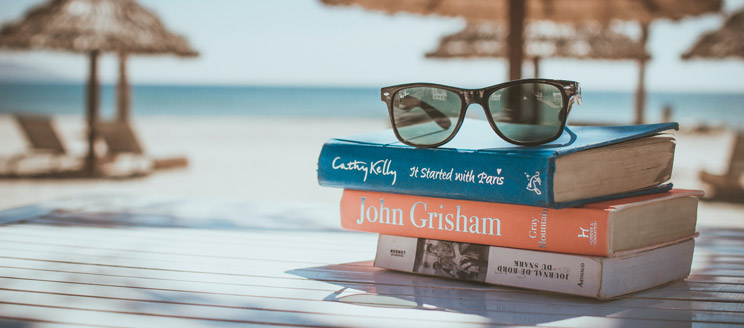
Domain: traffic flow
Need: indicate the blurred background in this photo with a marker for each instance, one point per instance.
(234, 99)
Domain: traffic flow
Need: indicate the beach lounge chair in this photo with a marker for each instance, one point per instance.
(728, 186)
(125, 155)
(42, 141)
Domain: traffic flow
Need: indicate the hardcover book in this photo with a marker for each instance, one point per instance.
(600, 229)
(598, 277)
(586, 164)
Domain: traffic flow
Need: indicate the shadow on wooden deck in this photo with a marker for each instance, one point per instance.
(176, 212)
(500, 305)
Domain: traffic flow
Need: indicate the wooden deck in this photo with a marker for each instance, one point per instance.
(154, 262)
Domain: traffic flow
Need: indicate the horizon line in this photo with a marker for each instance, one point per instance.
(340, 85)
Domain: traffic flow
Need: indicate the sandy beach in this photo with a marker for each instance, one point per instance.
(255, 159)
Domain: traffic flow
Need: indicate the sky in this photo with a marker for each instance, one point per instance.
(303, 42)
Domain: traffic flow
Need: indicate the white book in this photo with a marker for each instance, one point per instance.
(591, 276)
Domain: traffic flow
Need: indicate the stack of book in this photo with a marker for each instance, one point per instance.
(589, 214)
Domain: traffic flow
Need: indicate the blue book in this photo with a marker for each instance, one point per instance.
(586, 164)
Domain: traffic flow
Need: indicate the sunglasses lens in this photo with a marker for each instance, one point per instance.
(425, 115)
(528, 112)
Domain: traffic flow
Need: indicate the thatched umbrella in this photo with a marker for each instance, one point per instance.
(726, 42)
(93, 27)
(544, 39)
(514, 12)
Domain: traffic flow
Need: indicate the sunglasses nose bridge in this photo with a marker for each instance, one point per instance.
(474, 97)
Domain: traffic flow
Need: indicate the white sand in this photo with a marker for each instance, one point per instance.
(275, 159)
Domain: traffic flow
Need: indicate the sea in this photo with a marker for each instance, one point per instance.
(605, 107)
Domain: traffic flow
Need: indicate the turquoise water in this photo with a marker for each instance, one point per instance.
(599, 106)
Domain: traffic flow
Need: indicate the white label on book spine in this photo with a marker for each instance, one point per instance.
(557, 272)
(397, 253)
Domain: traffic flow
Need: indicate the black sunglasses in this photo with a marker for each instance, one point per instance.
(523, 112)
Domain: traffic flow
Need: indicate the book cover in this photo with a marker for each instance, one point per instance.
(597, 277)
(475, 165)
(599, 229)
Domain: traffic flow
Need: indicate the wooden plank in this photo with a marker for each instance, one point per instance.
(504, 312)
(135, 241)
(85, 317)
(169, 235)
(130, 239)
(156, 236)
(177, 246)
(210, 249)
(713, 279)
(10, 322)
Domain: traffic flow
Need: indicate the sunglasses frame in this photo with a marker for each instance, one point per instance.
(570, 92)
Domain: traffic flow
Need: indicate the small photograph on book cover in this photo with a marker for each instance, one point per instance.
(451, 259)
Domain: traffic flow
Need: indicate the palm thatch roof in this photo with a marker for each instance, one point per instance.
(726, 42)
(543, 39)
(93, 27)
(554, 10)
(121, 26)
(516, 12)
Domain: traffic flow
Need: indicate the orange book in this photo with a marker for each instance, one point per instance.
(601, 229)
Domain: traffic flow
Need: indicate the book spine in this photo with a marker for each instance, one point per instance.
(569, 230)
(562, 273)
(485, 176)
